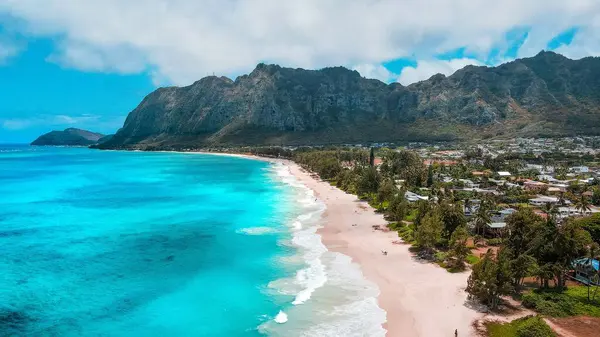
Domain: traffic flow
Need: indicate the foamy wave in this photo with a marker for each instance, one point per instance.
(305, 237)
(256, 231)
(345, 303)
(281, 317)
(314, 276)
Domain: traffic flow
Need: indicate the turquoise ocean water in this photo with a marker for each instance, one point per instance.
(106, 243)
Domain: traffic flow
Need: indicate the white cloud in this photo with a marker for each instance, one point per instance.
(47, 120)
(425, 69)
(375, 71)
(183, 40)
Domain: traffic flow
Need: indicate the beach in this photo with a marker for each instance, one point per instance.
(420, 298)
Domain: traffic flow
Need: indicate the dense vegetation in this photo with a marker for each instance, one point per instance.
(437, 227)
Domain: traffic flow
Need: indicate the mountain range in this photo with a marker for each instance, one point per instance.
(545, 95)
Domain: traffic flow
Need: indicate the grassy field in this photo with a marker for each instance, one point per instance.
(572, 302)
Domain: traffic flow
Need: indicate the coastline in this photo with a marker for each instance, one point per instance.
(420, 299)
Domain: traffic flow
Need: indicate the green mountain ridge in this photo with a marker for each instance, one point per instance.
(69, 137)
(545, 95)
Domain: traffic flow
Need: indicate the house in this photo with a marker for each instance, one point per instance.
(561, 187)
(542, 200)
(496, 227)
(414, 197)
(504, 174)
(546, 177)
(554, 190)
(501, 216)
(533, 185)
(473, 208)
(587, 271)
(468, 183)
(580, 169)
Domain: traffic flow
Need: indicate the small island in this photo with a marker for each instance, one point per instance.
(69, 137)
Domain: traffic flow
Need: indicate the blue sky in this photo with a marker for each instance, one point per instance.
(70, 63)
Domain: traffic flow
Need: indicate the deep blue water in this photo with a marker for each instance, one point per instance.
(100, 243)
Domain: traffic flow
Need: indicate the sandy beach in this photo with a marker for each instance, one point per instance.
(421, 299)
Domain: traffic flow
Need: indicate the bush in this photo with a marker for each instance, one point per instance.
(534, 327)
(494, 242)
(440, 257)
(530, 326)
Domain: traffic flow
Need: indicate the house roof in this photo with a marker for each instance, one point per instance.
(497, 225)
(504, 173)
(585, 260)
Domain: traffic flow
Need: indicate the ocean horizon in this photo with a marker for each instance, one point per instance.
(116, 243)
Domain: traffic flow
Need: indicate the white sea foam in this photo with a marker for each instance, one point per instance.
(256, 230)
(281, 317)
(331, 295)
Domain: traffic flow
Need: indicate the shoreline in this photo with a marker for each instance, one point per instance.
(413, 293)
(420, 299)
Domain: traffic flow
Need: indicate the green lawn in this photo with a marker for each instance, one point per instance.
(523, 327)
(572, 302)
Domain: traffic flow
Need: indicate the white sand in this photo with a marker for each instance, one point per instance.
(421, 299)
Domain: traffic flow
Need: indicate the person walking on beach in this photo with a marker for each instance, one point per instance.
(455, 332)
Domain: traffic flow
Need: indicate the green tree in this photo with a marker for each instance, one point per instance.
(452, 217)
(522, 266)
(570, 243)
(596, 196)
(398, 208)
(481, 219)
(592, 225)
(423, 207)
(458, 246)
(523, 226)
(368, 180)
(430, 175)
(490, 279)
(387, 190)
(583, 205)
(372, 157)
(429, 231)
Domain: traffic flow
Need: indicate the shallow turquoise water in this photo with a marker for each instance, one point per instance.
(98, 243)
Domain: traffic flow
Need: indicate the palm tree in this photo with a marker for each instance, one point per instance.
(583, 205)
(551, 211)
(482, 218)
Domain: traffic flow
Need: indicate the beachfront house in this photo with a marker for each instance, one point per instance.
(587, 271)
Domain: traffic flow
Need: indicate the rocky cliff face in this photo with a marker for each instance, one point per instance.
(69, 137)
(544, 95)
